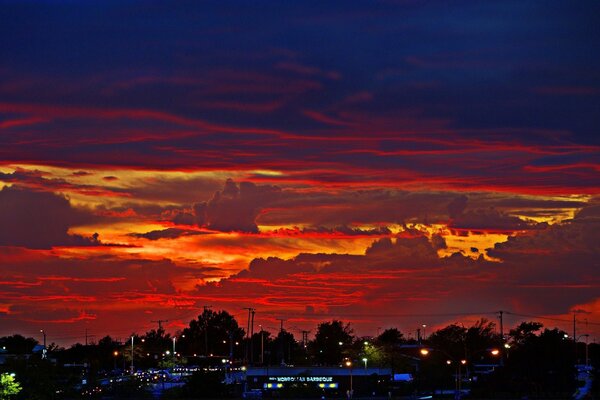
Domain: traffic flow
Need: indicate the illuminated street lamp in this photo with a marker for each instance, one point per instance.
(365, 361)
(451, 360)
(349, 365)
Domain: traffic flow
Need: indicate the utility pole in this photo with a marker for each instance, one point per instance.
(252, 338)
(280, 320)
(575, 334)
(247, 344)
(281, 344)
(500, 314)
(305, 338)
(160, 322)
(503, 349)
(205, 315)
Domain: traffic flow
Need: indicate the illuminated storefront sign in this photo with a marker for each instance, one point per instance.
(300, 379)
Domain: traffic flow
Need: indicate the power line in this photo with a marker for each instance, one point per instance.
(546, 318)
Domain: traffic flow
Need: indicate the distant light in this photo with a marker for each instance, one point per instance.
(506, 346)
(424, 352)
(243, 368)
(495, 352)
(167, 352)
(348, 363)
(340, 343)
(448, 362)
(463, 362)
(366, 343)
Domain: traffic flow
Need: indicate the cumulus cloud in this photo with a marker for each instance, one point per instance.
(236, 207)
(406, 272)
(39, 220)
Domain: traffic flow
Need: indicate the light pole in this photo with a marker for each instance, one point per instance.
(587, 358)
(351, 392)
(44, 351)
(131, 355)
(365, 361)
(262, 346)
(459, 363)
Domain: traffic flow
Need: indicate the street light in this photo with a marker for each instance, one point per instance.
(132, 355)
(365, 361)
(44, 350)
(349, 365)
(116, 354)
(451, 360)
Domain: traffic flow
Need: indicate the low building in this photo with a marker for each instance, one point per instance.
(331, 381)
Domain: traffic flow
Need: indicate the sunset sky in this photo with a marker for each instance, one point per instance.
(387, 163)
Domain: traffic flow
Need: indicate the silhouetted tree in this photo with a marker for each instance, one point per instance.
(212, 333)
(326, 346)
(18, 344)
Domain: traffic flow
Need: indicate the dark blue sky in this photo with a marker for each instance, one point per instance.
(423, 151)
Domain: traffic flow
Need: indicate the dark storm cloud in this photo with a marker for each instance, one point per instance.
(41, 181)
(407, 272)
(242, 207)
(490, 219)
(169, 233)
(236, 207)
(39, 220)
